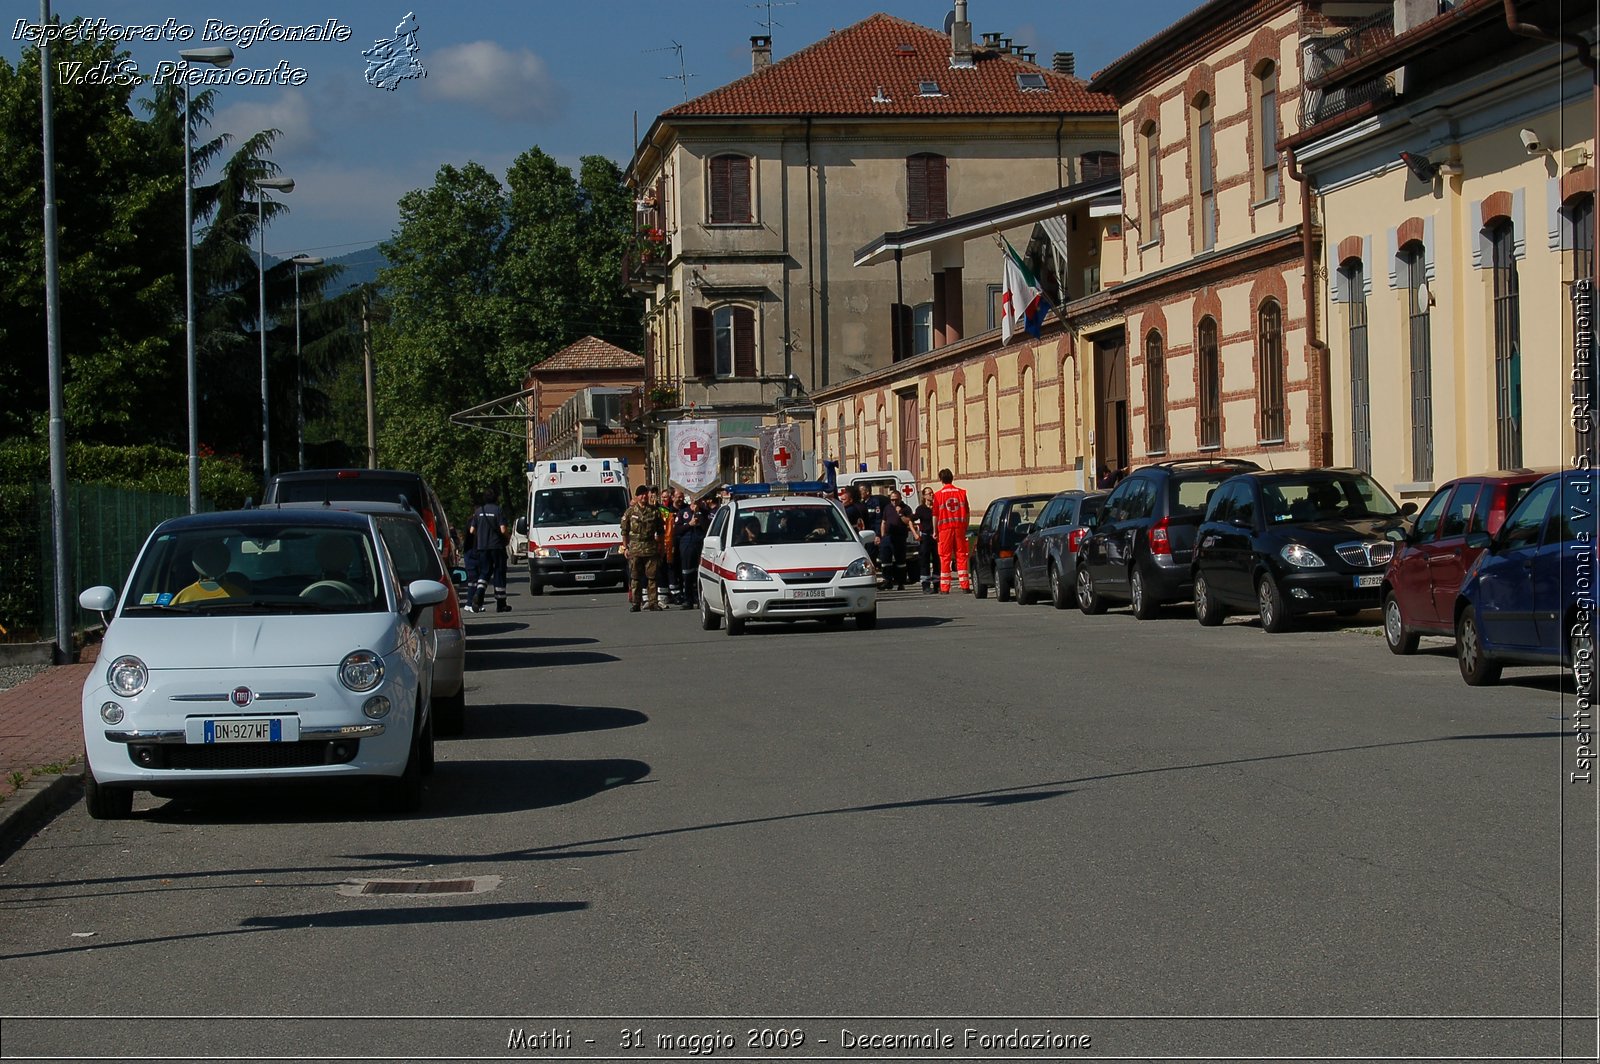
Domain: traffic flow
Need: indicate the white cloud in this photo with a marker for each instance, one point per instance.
(289, 111)
(511, 84)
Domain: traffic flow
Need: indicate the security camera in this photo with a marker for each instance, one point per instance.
(1530, 141)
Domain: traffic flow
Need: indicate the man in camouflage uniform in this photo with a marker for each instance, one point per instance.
(642, 532)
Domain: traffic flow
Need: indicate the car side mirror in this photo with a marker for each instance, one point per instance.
(867, 537)
(425, 593)
(522, 526)
(1408, 509)
(100, 599)
(1479, 541)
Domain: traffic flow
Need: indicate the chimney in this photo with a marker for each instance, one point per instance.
(1066, 63)
(760, 53)
(961, 38)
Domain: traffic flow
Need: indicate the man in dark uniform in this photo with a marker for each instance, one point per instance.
(487, 532)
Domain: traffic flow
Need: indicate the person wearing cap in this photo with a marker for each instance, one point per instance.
(642, 530)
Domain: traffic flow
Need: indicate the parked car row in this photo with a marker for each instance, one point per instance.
(1504, 563)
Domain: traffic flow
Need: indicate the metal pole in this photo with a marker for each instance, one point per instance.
(188, 276)
(372, 405)
(52, 330)
(299, 379)
(261, 325)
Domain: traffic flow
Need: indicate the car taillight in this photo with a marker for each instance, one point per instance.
(1075, 539)
(1159, 543)
(447, 615)
(1004, 554)
(1497, 511)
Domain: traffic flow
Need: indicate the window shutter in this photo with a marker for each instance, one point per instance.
(916, 188)
(744, 342)
(719, 189)
(704, 347)
(900, 323)
(937, 205)
(739, 189)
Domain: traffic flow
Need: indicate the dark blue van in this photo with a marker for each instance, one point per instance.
(1529, 599)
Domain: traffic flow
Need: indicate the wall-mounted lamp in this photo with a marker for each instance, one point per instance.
(1425, 169)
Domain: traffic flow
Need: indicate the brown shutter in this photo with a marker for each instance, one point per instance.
(744, 342)
(739, 189)
(719, 189)
(705, 356)
(938, 208)
(916, 188)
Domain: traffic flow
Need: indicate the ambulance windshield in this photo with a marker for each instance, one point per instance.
(599, 505)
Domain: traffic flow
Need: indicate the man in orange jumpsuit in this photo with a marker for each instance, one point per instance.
(950, 517)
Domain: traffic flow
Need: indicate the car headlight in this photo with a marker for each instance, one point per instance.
(547, 552)
(747, 571)
(1301, 556)
(361, 670)
(859, 567)
(127, 676)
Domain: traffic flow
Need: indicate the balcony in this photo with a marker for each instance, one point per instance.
(1337, 79)
(666, 398)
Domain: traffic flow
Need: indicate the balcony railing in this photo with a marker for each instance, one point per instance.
(1325, 55)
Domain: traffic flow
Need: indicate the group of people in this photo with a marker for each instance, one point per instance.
(939, 522)
(662, 534)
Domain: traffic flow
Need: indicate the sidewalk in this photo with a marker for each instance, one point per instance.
(40, 725)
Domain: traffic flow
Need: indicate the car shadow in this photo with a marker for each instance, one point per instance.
(530, 642)
(816, 627)
(479, 659)
(518, 719)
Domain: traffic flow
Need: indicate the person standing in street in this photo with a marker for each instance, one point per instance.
(641, 539)
(691, 528)
(669, 545)
(926, 541)
(488, 534)
(951, 516)
(892, 533)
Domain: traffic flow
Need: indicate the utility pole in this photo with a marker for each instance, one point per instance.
(372, 405)
(52, 318)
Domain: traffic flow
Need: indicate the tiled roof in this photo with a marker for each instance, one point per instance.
(589, 353)
(874, 68)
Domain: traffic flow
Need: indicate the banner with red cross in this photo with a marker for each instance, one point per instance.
(693, 455)
(780, 453)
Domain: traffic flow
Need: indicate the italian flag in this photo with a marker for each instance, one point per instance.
(1022, 301)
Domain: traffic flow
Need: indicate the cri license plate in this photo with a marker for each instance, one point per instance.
(583, 576)
(809, 593)
(1370, 580)
(243, 730)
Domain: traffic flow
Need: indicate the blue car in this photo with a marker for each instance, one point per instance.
(1529, 599)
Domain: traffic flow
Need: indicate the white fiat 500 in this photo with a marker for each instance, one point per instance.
(784, 558)
(259, 646)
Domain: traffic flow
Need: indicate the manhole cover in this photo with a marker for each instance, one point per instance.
(477, 885)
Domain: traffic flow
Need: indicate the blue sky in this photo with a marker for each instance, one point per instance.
(502, 76)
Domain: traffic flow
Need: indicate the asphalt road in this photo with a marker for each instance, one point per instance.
(977, 810)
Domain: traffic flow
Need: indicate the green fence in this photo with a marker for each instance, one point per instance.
(105, 527)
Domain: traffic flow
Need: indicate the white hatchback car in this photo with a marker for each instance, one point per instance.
(260, 646)
(784, 558)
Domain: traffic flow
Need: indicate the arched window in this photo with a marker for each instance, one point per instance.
(1204, 166)
(1507, 344)
(1149, 184)
(724, 341)
(1210, 371)
(1270, 371)
(925, 188)
(1029, 418)
(730, 190)
(1353, 277)
(1155, 392)
(958, 461)
(1414, 273)
(1264, 102)
(1099, 165)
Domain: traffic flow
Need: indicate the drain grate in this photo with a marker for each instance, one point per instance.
(419, 886)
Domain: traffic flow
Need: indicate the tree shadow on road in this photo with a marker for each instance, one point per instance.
(511, 720)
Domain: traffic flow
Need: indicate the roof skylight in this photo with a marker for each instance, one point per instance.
(1032, 83)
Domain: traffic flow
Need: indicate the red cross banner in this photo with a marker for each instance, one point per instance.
(781, 453)
(693, 455)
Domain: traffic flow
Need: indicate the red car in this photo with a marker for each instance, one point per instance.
(1420, 585)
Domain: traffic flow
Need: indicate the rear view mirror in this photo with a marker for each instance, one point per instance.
(100, 599)
(1479, 541)
(1408, 509)
(522, 526)
(867, 537)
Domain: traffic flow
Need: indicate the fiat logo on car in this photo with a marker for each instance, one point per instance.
(242, 696)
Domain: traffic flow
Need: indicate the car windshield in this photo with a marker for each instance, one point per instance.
(259, 568)
(1324, 498)
(772, 525)
(348, 489)
(1189, 494)
(579, 506)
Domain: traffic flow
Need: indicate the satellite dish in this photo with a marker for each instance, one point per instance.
(1424, 297)
(949, 23)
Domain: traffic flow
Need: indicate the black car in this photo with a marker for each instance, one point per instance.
(1004, 523)
(1292, 542)
(1047, 558)
(1139, 552)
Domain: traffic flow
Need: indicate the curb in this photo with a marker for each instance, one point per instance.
(35, 804)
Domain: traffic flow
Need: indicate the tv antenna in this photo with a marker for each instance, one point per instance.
(768, 22)
(683, 74)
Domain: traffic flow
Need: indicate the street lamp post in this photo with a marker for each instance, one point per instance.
(280, 184)
(299, 373)
(216, 57)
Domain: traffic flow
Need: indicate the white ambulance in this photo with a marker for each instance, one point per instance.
(572, 533)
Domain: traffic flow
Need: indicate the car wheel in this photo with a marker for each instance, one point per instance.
(979, 588)
(1002, 586)
(1145, 607)
(867, 619)
(1089, 600)
(1401, 639)
(710, 620)
(1024, 596)
(403, 794)
(1476, 668)
(1207, 610)
(534, 586)
(735, 624)
(104, 803)
(1058, 589)
(450, 713)
(1269, 603)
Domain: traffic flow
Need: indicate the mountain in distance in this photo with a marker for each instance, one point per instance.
(360, 267)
